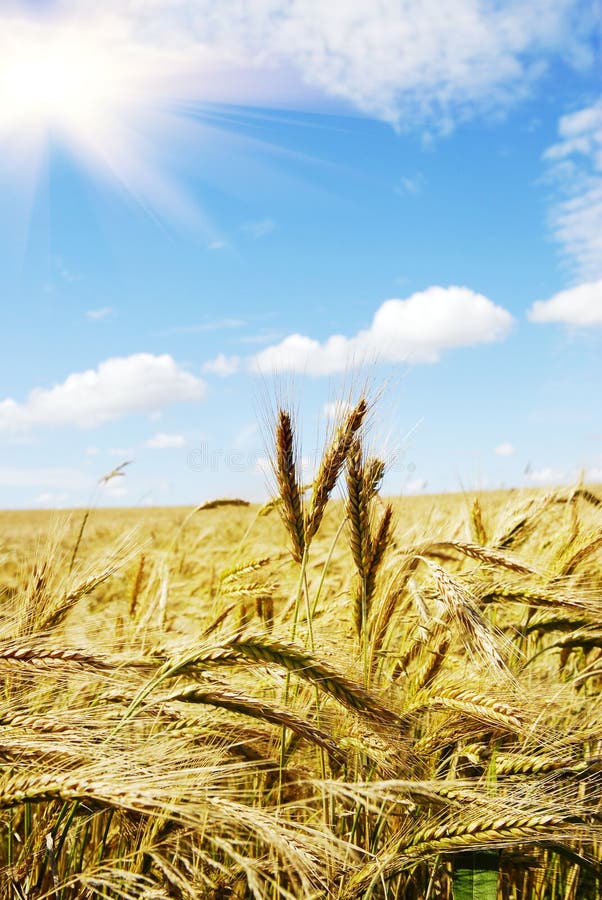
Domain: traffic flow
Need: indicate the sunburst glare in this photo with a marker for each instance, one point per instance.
(116, 106)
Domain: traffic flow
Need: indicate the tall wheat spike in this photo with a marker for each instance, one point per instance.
(289, 488)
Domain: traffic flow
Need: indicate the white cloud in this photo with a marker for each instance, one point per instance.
(201, 327)
(50, 499)
(409, 185)
(335, 410)
(141, 65)
(117, 387)
(504, 449)
(222, 365)
(260, 229)
(398, 59)
(162, 441)
(114, 489)
(121, 452)
(547, 475)
(576, 169)
(414, 330)
(581, 306)
(96, 315)
(415, 486)
(50, 478)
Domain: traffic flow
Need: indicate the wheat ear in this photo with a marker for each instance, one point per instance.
(331, 465)
(291, 508)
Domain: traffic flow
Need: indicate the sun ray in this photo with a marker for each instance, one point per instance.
(148, 121)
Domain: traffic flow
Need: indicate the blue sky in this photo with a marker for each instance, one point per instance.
(205, 207)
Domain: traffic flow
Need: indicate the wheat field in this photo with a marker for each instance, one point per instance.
(333, 695)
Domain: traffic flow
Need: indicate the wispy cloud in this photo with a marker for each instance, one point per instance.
(576, 171)
(201, 327)
(579, 306)
(117, 387)
(262, 337)
(64, 272)
(410, 185)
(260, 229)
(96, 315)
(51, 499)
(401, 62)
(51, 478)
(417, 329)
(163, 441)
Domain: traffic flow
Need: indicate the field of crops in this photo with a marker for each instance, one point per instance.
(330, 696)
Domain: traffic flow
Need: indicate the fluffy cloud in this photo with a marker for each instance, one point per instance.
(119, 386)
(222, 365)
(576, 168)
(505, 449)
(414, 330)
(397, 59)
(580, 306)
(162, 441)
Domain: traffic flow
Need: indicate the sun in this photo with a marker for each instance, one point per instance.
(79, 85)
(56, 78)
(134, 112)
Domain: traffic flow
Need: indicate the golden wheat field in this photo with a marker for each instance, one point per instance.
(334, 695)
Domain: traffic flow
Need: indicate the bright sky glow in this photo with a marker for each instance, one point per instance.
(195, 196)
(57, 80)
(83, 88)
